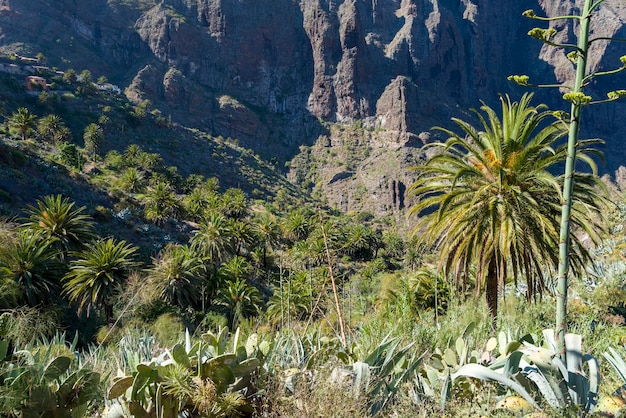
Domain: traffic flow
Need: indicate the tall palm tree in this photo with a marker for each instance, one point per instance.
(22, 121)
(267, 234)
(297, 225)
(55, 217)
(242, 234)
(488, 199)
(177, 274)
(96, 274)
(93, 136)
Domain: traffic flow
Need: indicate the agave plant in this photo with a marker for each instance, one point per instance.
(40, 383)
(537, 372)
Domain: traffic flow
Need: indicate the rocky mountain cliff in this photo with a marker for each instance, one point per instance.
(343, 91)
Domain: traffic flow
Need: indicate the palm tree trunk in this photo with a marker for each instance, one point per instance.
(491, 289)
(568, 185)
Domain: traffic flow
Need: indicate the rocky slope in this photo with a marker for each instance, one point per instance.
(281, 74)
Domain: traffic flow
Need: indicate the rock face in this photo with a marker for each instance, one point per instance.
(275, 73)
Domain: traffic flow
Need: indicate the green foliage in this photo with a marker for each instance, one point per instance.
(55, 219)
(22, 121)
(161, 203)
(51, 128)
(96, 273)
(93, 137)
(238, 300)
(33, 264)
(40, 383)
(177, 274)
(203, 377)
(69, 155)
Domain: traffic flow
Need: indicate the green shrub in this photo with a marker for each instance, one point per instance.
(168, 328)
(69, 155)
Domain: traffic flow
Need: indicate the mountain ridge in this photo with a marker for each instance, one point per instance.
(280, 75)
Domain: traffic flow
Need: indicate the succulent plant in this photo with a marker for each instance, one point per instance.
(205, 378)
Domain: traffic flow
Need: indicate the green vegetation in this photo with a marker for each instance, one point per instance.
(149, 260)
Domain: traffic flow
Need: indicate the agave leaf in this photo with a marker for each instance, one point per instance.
(548, 389)
(548, 335)
(119, 387)
(468, 329)
(478, 371)
(427, 384)
(511, 366)
(187, 341)
(222, 339)
(375, 356)
(362, 377)
(574, 358)
(616, 360)
(446, 389)
(236, 339)
(594, 382)
(56, 367)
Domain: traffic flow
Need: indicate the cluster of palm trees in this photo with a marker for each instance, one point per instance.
(237, 256)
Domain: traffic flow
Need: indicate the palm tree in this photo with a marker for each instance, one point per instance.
(488, 199)
(241, 234)
(296, 225)
(213, 238)
(362, 242)
(22, 121)
(96, 274)
(55, 217)
(177, 274)
(161, 203)
(267, 234)
(236, 268)
(33, 264)
(238, 300)
(93, 136)
(234, 204)
(51, 128)
(132, 180)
